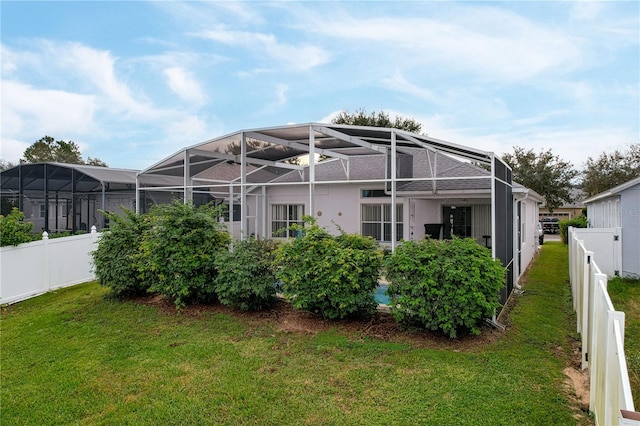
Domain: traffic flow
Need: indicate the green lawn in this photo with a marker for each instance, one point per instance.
(77, 357)
(625, 295)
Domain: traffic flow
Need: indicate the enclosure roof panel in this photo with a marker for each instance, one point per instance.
(59, 177)
(280, 144)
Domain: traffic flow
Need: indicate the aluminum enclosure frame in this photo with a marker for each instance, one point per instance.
(254, 159)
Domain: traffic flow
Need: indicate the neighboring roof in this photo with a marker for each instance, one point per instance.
(613, 191)
(530, 193)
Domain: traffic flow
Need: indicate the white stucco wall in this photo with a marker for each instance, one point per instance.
(630, 220)
(528, 234)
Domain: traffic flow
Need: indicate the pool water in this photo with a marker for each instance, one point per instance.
(381, 295)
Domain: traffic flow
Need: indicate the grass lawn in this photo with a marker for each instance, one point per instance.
(75, 356)
(625, 295)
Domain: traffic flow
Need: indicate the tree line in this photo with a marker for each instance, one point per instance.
(543, 171)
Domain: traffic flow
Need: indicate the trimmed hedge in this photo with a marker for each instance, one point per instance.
(576, 222)
(180, 250)
(246, 275)
(334, 276)
(449, 285)
(117, 258)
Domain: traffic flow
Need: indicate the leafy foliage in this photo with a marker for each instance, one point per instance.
(610, 170)
(443, 285)
(334, 276)
(4, 164)
(380, 119)
(14, 230)
(48, 149)
(180, 250)
(576, 222)
(246, 277)
(545, 173)
(118, 254)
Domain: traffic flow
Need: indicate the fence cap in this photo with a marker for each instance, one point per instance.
(45, 235)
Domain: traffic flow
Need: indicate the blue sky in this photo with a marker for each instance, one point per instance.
(133, 82)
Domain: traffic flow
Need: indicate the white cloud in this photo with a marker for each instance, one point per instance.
(98, 67)
(573, 145)
(184, 85)
(399, 83)
(281, 94)
(31, 113)
(53, 110)
(301, 57)
(493, 43)
(586, 10)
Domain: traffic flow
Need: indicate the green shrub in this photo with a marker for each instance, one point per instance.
(246, 277)
(332, 276)
(14, 230)
(576, 222)
(116, 260)
(179, 251)
(449, 286)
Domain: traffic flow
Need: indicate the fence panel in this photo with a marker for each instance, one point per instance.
(606, 245)
(602, 333)
(34, 268)
(21, 271)
(69, 262)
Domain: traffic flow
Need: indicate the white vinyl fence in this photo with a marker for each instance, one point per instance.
(35, 268)
(602, 330)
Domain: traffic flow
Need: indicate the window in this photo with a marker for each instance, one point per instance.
(374, 193)
(376, 221)
(43, 209)
(283, 216)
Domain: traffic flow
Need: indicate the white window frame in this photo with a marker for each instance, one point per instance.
(282, 217)
(381, 218)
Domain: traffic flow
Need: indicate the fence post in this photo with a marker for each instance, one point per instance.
(584, 298)
(46, 268)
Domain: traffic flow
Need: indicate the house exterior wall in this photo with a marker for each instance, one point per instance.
(336, 204)
(630, 218)
(621, 210)
(527, 234)
(605, 213)
(421, 212)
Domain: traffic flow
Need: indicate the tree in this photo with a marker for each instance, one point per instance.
(545, 173)
(609, 170)
(380, 119)
(48, 149)
(4, 164)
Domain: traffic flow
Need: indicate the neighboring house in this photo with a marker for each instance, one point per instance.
(569, 210)
(386, 183)
(68, 197)
(620, 207)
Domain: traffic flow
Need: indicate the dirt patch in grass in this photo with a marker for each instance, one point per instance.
(577, 382)
(380, 326)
